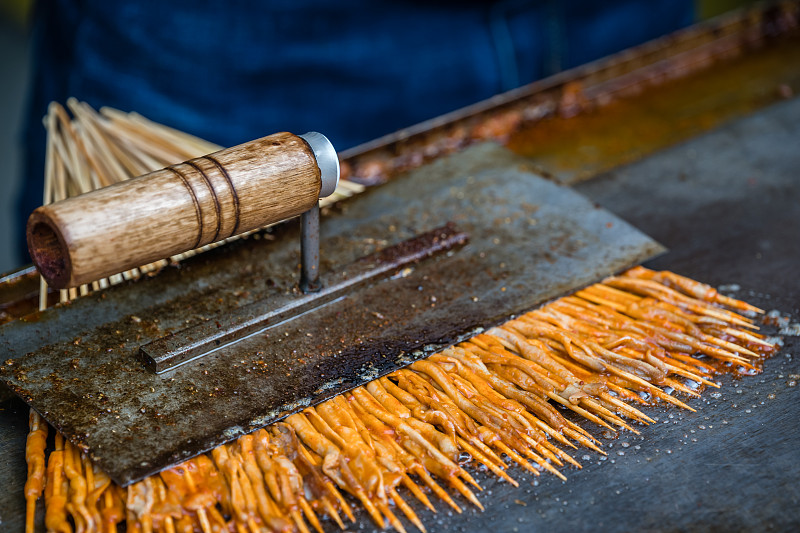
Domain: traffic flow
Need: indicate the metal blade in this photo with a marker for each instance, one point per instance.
(530, 241)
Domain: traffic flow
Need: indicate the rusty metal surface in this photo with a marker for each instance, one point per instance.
(662, 115)
(18, 290)
(531, 240)
(229, 328)
(588, 88)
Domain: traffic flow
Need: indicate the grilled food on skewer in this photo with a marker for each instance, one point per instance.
(603, 352)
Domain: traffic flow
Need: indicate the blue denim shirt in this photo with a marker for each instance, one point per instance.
(233, 70)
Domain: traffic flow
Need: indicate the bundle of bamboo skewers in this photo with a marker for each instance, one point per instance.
(600, 353)
(95, 149)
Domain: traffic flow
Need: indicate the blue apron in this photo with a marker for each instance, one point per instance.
(233, 70)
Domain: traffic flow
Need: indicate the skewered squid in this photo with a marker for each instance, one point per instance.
(603, 353)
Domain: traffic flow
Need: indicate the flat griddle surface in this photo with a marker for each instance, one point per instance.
(728, 206)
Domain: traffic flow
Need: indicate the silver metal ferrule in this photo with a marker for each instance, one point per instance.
(327, 161)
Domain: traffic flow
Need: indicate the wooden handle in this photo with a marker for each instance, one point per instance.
(173, 210)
